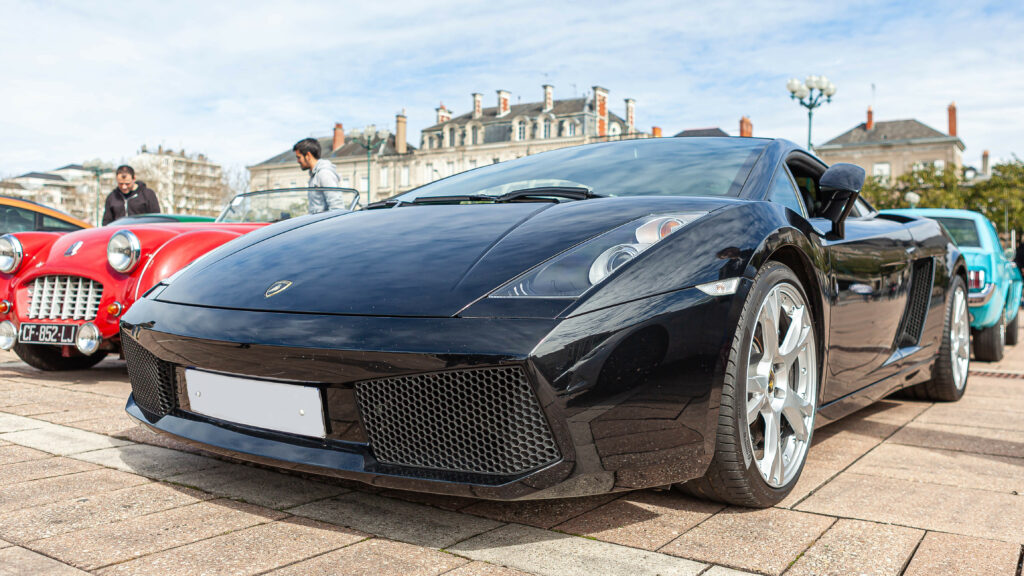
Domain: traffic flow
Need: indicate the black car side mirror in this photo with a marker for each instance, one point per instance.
(840, 185)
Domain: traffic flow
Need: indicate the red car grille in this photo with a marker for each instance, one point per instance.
(64, 298)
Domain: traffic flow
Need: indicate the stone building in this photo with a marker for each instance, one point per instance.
(482, 136)
(184, 183)
(59, 190)
(888, 149)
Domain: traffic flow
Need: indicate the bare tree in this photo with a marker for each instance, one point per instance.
(236, 181)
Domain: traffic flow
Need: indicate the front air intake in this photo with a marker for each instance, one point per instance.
(153, 380)
(481, 421)
(64, 298)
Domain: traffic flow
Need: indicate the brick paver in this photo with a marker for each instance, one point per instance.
(855, 547)
(762, 540)
(954, 555)
(900, 487)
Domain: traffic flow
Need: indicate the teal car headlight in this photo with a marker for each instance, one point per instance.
(573, 272)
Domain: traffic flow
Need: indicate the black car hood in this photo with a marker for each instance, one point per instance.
(429, 260)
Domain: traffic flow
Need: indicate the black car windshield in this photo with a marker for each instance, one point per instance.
(277, 205)
(963, 231)
(648, 167)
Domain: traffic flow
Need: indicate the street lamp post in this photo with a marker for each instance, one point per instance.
(96, 170)
(366, 141)
(805, 93)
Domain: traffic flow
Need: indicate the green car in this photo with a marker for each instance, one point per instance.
(159, 218)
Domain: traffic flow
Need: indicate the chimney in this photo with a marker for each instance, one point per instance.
(443, 115)
(549, 98)
(478, 105)
(952, 118)
(339, 136)
(601, 110)
(870, 125)
(655, 131)
(503, 104)
(746, 127)
(984, 163)
(400, 144)
(630, 115)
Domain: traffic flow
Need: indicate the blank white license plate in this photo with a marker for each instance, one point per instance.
(271, 405)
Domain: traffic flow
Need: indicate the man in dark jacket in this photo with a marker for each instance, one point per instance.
(129, 198)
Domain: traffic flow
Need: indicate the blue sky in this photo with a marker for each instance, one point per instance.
(241, 82)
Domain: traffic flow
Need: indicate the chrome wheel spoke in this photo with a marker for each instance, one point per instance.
(757, 388)
(771, 461)
(796, 410)
(770, 325)
(795, 338)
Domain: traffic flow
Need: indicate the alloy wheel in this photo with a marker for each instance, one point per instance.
(960, 339)
(781, 385)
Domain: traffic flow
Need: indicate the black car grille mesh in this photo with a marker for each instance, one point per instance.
(153, 380)
(483, 420)
(917, 305)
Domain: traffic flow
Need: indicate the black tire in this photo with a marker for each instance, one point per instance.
(50, 358)
(1012, 330)
(733, 476)
(989, 342)
(943, 386)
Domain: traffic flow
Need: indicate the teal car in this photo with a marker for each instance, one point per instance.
(994, 282)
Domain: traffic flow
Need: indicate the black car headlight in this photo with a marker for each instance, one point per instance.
(573, 272)
(123, 251)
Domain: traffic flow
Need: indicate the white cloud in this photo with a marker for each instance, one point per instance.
(242, 81)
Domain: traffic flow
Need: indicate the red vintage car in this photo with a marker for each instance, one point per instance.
(62, 295)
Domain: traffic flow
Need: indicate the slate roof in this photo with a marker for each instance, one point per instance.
(888, 132)
(701, 132)
(489, 115)
(349, 149)
(43, 176)
(71, 167)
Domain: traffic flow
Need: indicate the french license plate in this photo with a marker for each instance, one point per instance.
(48, 333)
(289, 408)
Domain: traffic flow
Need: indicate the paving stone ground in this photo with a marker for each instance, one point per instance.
(899, 488)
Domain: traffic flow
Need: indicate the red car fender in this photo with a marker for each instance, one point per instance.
(177, 253)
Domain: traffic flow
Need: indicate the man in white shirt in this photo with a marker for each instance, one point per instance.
(322, 174)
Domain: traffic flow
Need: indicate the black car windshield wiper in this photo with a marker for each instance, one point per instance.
(547, 192)
(458, 199)
(539, 194)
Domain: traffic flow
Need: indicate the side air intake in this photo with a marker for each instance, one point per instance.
(922, 276)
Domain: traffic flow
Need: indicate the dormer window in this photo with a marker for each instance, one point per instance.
(476, 135)
(521, 131)
(547, 128)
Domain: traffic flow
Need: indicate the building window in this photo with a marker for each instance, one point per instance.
(940, 165)
(547, 128)
(882, 172)
(405, 176)
(364, 185)
(451, 168)
(572, 128)
(476, 135)
(451, 136)
(521, 131)
(383, 183)
(431, 173)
